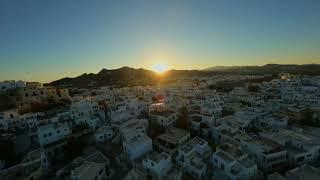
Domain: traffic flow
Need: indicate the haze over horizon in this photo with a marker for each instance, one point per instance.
(47, 40)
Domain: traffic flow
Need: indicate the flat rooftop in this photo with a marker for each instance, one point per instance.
(224, 156)
(173, 135)
(156, 157)
(232, 150)
(192, 144)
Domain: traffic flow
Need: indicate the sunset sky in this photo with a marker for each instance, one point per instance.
(45, 40)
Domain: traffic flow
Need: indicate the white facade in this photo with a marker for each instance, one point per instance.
(103, 134)
(91, 121)
(9, 119)
(233, 162)
(84, 108)
(193, 156)
(51, 133)
(157, 164)
(269, 154)
(171, 140)
(137, 146)
(301, 147)
(164, 118)
(5, 85)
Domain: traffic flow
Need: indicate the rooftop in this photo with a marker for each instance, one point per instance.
(231, 150)
(268, 146)
(304, 172)
(197, 162)
(156, 157)
(97, 157)
(173, 135)
(192, 144)
(165, 113)
(224, 156)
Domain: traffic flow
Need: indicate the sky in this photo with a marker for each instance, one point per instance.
(44, 40)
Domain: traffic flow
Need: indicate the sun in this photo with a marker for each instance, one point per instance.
(160, 68)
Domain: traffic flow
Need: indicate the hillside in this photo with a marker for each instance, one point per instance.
(127, 76)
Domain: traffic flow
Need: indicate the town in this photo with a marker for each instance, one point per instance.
(209, 127)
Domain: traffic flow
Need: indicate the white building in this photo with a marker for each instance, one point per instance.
(137, 146)
(51, 133)
(270, 155)
(157, 164)
(91, 121)
(192, 157)
(233, 162)
(84, 108)
(81, 169)
(301, 147)
(171, 140)
(5, 85)
(133, 127)
(103, 134)
(164, 118)
(9, 119)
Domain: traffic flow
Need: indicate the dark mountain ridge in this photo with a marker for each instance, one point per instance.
(130, 76)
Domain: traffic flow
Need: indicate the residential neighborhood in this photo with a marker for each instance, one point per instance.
(267, 128)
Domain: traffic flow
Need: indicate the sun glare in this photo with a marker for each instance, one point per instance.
(160, 68)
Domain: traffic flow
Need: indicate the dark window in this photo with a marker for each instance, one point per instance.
(299, 159)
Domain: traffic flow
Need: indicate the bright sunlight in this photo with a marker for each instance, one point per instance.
(160, 68)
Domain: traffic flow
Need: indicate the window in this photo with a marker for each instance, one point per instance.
(49, 133)
(299, 159)
(58, 131)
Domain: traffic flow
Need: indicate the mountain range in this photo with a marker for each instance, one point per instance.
(127, 76)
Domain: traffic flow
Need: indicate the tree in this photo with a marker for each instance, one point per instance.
(155, 129)
(8, 151)
(253, 88)
(74, 148)
(107, 112)
(307, 119)
(183, 120)
(227, 112)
